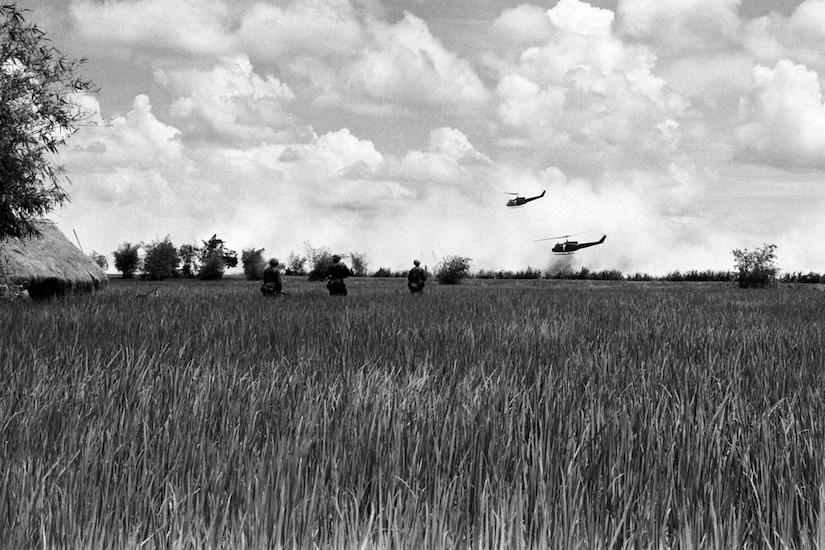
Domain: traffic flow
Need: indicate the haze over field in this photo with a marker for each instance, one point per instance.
(680, 129)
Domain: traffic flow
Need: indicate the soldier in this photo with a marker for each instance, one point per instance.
(336, 273)
(416, 278)
(272, 279)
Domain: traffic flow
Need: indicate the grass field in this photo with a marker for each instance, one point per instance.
(495, 414)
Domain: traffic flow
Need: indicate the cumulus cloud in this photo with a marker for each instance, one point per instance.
(681, 26)
(406, 64)
(183, 26)
(318, 28)
(783, 117)
(799, 37)
(231, 100)
(587, 96)
(523, 26)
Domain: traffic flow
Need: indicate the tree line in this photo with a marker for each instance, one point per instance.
(208, 261)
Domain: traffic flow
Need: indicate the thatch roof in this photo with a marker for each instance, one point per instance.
(49, 265)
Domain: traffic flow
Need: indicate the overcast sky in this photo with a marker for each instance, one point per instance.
(680, 129)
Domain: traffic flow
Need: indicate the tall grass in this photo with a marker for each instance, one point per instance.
(532, 414)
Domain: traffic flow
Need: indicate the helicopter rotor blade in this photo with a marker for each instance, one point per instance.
(565, 236)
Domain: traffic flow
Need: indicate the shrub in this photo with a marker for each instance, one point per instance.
(320, 259)
(529, 273)
(387, 272)
(127, 260)
(212, 267)
(99, 259)
(190, 257)
(215, 258)
(253, 263)
(756, 268)
(161, 260)
(295, 264)
(452, 269)
(359, 264)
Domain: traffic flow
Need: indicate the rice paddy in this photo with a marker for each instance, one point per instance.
(494, 414)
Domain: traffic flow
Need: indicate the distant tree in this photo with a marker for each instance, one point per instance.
(127, 260)
(99, 259)
(161, 260)
(212, 267)
(296, 264)
(189, 255)
(253, 263)
(452, 269)
(756, 268)
(320, 259)
(215, 257)
(37, 115)
(358, 264)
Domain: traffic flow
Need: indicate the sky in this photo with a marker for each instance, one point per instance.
(395, 128)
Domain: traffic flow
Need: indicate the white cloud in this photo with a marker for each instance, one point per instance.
(581, 18)
(680, 26)
(588, 97)
(524, 25)
(182, 26)
(449, 160)
(799, 37)
(406, 65)
(783, 117)
(317, 28)
(232, 100)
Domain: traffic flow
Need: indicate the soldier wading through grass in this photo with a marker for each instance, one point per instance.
(272, 279)
(416, 278)
(336, 273)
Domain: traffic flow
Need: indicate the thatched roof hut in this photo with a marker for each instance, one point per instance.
(49, 265)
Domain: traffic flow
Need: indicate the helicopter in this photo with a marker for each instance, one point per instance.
(568, 247)
(518, 201)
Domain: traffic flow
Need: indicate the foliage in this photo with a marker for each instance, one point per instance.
(212, 267)
(99, 259)
(189, 255)
(387, 272)
(253, 263)
(213, 245)
(127, 259)
(161, 260)
(586, 274)
(603, 416)
(529, 273)
(452, 269)
(37, 115)
(799, 277)
(694, 275)
(756, 268)
(358, 264)
(214, 258)
(320, 259)
(296, 264)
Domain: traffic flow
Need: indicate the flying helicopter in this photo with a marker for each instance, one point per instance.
(568, 246)
(518, 201)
